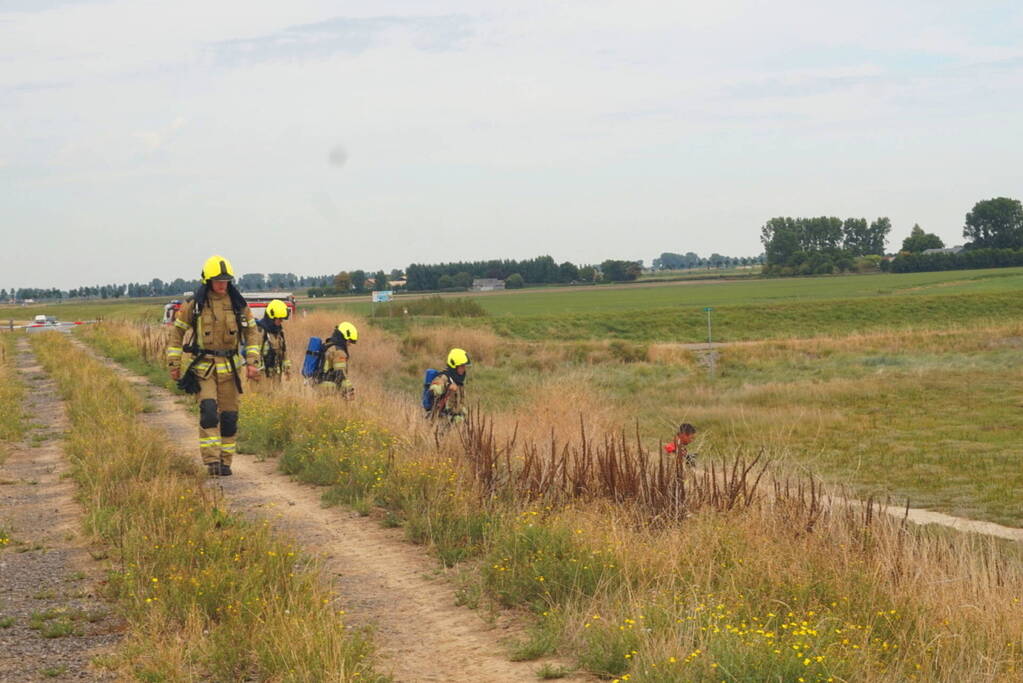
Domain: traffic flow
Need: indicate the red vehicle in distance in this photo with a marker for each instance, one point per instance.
(257, 303)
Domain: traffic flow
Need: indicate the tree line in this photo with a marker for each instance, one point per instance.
(459, 275)
(249, 282)
(820, 245)
(994, 233)
(539, 270)
(690, 260)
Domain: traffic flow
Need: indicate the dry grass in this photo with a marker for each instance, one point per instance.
(734, 584)
(207, 595)
(12, 423)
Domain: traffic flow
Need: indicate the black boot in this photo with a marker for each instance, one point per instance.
(218, 469)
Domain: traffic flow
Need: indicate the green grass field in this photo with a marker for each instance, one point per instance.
(923, 414)
(109, 309)
(743, 310)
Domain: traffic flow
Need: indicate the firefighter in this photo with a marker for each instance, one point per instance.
(447, 388)
(212, 326)
(336, 354)
(274, 349)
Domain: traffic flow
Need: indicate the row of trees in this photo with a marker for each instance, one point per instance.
(967, 258)
(257, 282)
(994, 233)
(690, 260)
(805, 246)
(539, 270)
(250, 282)
(357, 282)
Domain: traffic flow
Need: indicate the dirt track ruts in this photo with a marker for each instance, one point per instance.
(384, 582)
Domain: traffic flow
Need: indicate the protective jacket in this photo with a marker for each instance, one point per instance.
(273, 349)
(335, 358)
(211, 328)
(215, 335)
(449, 390)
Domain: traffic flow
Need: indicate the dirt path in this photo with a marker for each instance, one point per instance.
(975, 526)
(384, 582)
(48, 579)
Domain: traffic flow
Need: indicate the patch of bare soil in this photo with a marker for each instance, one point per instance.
(383, 581)
(52, 620)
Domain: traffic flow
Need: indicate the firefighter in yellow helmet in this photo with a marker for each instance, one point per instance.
(212, 326)
(274, 348)
(336, 354)
(447, 388)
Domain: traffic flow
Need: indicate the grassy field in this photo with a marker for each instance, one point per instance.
(743, 310)
(110, 309)
(763, 590)
(207, 595)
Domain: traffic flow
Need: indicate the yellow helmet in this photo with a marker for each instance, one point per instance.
(348, 331)
(458, 357)
(277, 309)
(217, 268)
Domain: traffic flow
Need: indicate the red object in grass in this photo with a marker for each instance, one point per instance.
(670, 448)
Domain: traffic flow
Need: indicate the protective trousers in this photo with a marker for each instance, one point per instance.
(218, 417)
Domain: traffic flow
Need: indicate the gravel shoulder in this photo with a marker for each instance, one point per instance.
(54, 620)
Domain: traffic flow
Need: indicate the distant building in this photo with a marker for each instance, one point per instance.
(487, 284)
(946, 250)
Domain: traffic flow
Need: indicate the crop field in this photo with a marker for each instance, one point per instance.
(618, 580)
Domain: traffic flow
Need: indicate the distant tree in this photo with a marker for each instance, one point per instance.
(380, 281)
(877, 237)
(397, 274)
(280, 281)
(462, 280)
(343, 282)
(587, 274)
(252, 282)
(668, 261)
(445, 282)
(781, 238)
(919, 240)
(569, 272)
(995, 223)
(855, 235)
(514, 281)
(359, 280)
(620, 271)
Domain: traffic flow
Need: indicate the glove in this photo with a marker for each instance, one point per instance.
(670, 448)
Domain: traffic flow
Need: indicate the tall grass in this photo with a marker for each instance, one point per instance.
(12, 422)
(623, 571)
(775, 586)
(207, 595)
(139, 346)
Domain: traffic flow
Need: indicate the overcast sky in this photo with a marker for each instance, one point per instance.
(137, 138)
